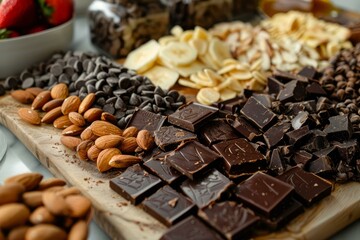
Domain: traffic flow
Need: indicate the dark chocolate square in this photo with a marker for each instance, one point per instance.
(135, 184)
(264, 193)
(216, 131)
(190, 229)
(232, 220)
(168, 206)
(163, 170)
(294, 91)
(242, 126)
(191, 116)
(309, 188)
(240, 156)
(340, 128)
(275, 134)
(192, 159)
(142, 119)
(207, 189)
(170, 137)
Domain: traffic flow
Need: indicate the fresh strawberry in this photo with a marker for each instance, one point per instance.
(4, 33)
(17, 13)
(36, 29)
(57, 11)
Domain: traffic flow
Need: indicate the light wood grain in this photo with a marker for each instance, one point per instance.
(121, 220)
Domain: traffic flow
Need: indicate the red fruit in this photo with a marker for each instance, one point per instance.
(57, 11)
(36, 29)
(4, 34)
(17, 13)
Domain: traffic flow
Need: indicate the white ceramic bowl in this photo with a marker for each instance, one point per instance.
(82, 5)
(19, 53)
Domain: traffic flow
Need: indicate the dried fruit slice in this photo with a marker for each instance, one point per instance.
(207, 96)
(162, 77)
(144, 57)
(219, 50)
(178, 53)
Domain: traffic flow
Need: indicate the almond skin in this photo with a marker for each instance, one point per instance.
(108, 141)
(29, 116)
(30, 181)
(33, 199)
(145, 140)
(10, 193)
(69, 191)
(128, 145)
(93, 114)
(51, 182)
(130, 132)
(123, 161)
(22, 96)
(62, 122)
(41, 215)
(77, 119)
(18, 233)
(52, 104)
(93, 153)
(60, 91)
(79, 231)
(104, 158)
(72, 130)
(13, 215)
(55, 204)
(52, 115)
(87, 102)
(45, 232)
(83, 148)
(70, 104)
(102, 128)
(105, 116)
(40, 100)
(34, 90)
(87, 134)
(79, 205)
(70, 142)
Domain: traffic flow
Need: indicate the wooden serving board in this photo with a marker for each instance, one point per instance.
(121, 220)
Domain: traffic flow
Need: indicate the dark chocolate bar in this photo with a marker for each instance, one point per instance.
(142, 119)
(170, 137)
(216, 131)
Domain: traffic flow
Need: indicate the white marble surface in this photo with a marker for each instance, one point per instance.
(18, 159)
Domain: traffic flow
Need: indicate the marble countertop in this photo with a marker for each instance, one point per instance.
(18, 159)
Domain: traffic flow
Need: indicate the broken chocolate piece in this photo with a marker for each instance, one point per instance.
(340, 128)
(301, 158)
(293, 91)
(276, 164)
(321, 166)
(315, 89)
(348, 150)
(299, 136)
(300, 120)
(275, 134)
(308, 72)
(142, 119)
(264, 99)
(216, 131)
(170, 137)
(258, 114)
(243, 127)
(164, 171)
(274, 85)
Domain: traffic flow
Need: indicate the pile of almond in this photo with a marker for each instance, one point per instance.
(89, 131)
(35, 209)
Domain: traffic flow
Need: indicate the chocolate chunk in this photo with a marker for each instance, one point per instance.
(216, 131)
(232, 105)
(276, 164)
(135, 184)
(298, 136)
(317, 141)
(315, 89)
(287, 76)
(301, 119)
(330, 152)
(170, 137)
(192, 116)
(264, 193)
(340, 128)
(192, 159)
(348, 150)
(287, 212)
(258, 114)
(264, 99)
(2, 90)
(232, 220)
(275, 134)
(309, 188)
(321, 166)
(293, 91)
(208, 189)
(274, 85)
(301, 158)
(243, 127)
(295, 108)
(146, 120)
(190, 229)
(163, 170)
(240, 156)
(308, 72)
(168, 206)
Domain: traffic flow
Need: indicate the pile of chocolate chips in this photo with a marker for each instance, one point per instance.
(119, 91)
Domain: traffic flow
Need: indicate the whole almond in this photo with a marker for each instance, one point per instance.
(87, 102)
(130, 132)
(29, 180)
(70, 142)
(29, 116)
(54, 189)
(104, 157)
(87, 134)
(69, 191)
(93, 153)
(79, 205)
(60, 91)
(17, 233)
(52, 115)
(45, 232)
(77, 119)
(62, 122)
(33, 199)
(70, 104)
(23, 96)
(13, 215)
(93, 114)
(52, 104)
(83, 148)
(105, 116)
(10, 193)
(34, 90)
(55, 203)
(79, 231)
(51, 182)
(102, 128)
(128, 145)
(72, 130)
(41, 215)
(144, 139)
(123, 161)
(41, 99)
(108, 141)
